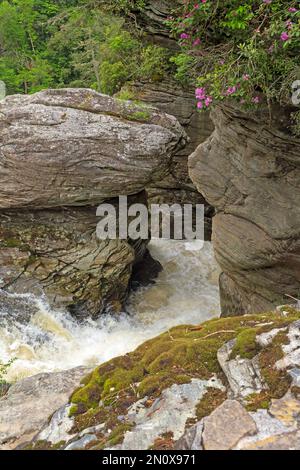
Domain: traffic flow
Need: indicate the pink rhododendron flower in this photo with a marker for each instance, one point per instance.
(208, 101)
(184, 36)
(284, 36)
(200, 93)
(256, 100)
(267, 1)
(292, 10)
(199, 105)
(246, 77)
(231, 90)
(197, 42)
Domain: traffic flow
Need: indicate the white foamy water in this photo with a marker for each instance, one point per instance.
(186, 292)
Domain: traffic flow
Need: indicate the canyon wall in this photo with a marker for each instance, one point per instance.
(249, 170)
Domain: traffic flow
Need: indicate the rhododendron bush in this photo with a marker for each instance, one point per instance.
(248, 50)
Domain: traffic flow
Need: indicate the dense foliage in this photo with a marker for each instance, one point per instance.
(72, 43)
(246, 49)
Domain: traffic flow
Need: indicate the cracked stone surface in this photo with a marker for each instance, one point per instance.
(56, 252)
(28, 404)
(286, 409)
(267, 426)
(242, 374)
(228, 424)
(85, 147)
(292, 350)
(192, 438)
(168, 413)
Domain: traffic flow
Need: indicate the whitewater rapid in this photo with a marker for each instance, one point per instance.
(186, 292)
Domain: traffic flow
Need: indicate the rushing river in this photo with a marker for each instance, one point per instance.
(186, 292)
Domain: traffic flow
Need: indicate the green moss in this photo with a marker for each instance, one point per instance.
(256, 401)
(177, 356)
(246, 345)
(278, 381)
(126, 94)
(152, 385)
(142, 116)
(213, 398)
(44, 445)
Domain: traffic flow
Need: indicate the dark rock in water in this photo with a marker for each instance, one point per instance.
(145, 272)
(249, 170)
(57, 252)
(18, 308)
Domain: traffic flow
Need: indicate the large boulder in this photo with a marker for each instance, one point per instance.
(249, 170)
(73, 147)
(62, 152)
(27, 405)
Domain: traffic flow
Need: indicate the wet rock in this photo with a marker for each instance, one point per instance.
(249, 171)
(242, 374)
(19, 308)
(145, 272)
(61, 257)
(226, 426)
(85, 147)
(28, 404)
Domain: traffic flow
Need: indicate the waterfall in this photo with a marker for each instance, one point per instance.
(186, 292)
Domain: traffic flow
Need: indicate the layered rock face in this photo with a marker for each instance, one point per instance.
(62, 153)
(77, 147)
(177, 187)
(153, 20)
(250, 171)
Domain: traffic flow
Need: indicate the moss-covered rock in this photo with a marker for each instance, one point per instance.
(175, 357)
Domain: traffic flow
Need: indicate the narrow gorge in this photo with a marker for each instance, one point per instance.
(144, 342)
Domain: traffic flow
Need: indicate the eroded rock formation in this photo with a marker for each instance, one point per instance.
(177, 187)
(78, 147)
(249, 170)
(62, 153)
